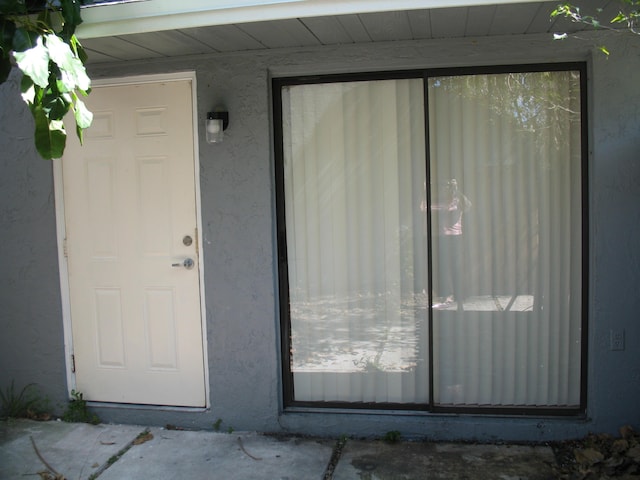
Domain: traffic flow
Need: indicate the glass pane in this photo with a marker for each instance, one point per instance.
(505, 199)
(354, 174)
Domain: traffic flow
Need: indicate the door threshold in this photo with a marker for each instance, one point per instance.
(141, 406)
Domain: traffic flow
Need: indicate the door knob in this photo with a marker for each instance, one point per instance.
(188, 264)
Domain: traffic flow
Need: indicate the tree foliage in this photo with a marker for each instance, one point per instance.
(38, 36)
(627, 17)
(544, 106)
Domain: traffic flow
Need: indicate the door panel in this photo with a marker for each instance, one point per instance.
(130, 214)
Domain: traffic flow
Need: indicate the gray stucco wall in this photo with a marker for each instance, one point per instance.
(615, 238)
(238, 218)
(31, 333)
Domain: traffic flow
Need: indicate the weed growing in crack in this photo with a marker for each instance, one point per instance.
(392, 436)
(217, 424)
(77, 410)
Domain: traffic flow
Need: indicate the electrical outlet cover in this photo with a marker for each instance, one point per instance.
(617, 339)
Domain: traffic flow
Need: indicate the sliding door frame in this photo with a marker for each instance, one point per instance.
(283, 275)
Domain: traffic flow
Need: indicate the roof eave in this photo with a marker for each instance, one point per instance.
(131, 17)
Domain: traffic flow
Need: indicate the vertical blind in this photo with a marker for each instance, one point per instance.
(512, 142)
(354, 181)
(359, 192)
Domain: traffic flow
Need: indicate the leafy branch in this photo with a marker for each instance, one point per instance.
(628, 15)
(38, 36)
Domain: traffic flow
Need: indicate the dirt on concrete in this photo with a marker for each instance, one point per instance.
(599, 456)
(369, 460)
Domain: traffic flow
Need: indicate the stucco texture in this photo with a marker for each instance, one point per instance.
(31, 331)
(238, 220)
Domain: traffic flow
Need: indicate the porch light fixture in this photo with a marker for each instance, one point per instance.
(217, 123)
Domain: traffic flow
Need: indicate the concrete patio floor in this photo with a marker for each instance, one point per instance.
(118, 452)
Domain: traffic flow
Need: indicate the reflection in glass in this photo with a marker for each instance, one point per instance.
(354, 166)
(496, 218)
(510, 332)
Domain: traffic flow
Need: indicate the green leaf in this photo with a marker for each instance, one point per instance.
(562, 9)
(59, 51)
(78, 49)
(56, 105)
(71, 17)
(52, 65)
(73, 73)
(50, 136)
(621, 17)
(35, 63)
(80, 134)
(71, 11)
(24, 39)
(28, 90)
(38, 94)
(82, 114)
(25, 84)
(603, 49)
(68, 79)
(7, 31)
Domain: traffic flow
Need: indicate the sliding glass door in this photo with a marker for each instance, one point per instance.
(354, 175)
(431, 239)
(506, 202)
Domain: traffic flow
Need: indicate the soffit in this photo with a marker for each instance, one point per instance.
(476, 20)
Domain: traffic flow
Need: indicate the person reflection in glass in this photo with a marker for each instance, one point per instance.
(447, 211)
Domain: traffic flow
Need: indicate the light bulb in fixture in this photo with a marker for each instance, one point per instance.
(216, 124)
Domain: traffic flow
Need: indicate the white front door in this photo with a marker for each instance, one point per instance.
(132, 250)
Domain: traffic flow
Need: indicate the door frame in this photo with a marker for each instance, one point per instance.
(61, 230)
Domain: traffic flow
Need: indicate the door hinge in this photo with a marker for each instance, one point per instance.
(65, 250)
(73, 363)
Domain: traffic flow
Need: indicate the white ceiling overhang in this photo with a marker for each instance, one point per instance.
(131, 30)
(134, 17)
